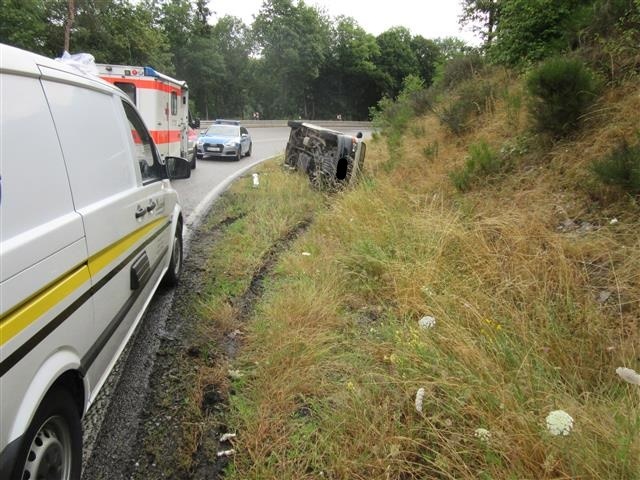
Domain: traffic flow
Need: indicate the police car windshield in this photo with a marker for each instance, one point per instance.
(224, 130)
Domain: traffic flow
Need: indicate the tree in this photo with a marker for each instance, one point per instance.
(427, 55)
(484, 15)
(349, 81)
(531, 30)
(293, 43)
(397, 59)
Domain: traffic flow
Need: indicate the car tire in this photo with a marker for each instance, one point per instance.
(238, 156)
(194, 159)
(249, 151)
(53, 441)
(172, 276)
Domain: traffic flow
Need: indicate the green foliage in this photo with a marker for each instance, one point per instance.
(531, 30)
(621, 167)
(561, 90)
(481, 162)
(471, 99)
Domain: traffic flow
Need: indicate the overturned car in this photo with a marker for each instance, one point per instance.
(331, 159)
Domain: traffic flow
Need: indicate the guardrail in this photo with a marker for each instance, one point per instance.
(337, 124)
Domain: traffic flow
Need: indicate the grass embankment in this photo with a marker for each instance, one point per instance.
(534, 291)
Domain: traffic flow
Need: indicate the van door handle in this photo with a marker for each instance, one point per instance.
(140, 212)
(151, 207)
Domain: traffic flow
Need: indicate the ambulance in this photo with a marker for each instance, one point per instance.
(164, 104)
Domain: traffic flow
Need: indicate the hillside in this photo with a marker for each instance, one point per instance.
(309, 339)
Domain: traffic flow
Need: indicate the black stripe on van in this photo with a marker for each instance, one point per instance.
(104, 337)
(9, 362)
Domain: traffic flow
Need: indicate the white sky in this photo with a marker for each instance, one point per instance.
(429, 18)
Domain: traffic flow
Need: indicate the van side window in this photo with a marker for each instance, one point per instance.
(146, 156)
(129, 89)
(174, 103)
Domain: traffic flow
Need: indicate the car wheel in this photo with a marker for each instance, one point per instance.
(175, 264)
(238, 156)
(249, 151)
(193, 160)
(52, 445)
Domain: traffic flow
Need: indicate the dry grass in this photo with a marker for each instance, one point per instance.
(333, 356)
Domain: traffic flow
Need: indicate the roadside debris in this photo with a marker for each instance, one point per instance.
(256, 180)
(226, 453)
(227, 436)
(330, 158)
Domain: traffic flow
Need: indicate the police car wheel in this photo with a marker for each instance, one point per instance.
(52, 446)
(175, 264)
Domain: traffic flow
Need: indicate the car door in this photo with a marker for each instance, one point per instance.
(117, 188)
(245, 140)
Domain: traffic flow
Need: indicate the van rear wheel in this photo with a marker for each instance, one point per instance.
(52, 446)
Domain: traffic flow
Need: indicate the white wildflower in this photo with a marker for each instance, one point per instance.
(306, 254)
(559, 422)
(613, 221)
(419, 399)
(427, 322)
(482, 434)
(628, 375)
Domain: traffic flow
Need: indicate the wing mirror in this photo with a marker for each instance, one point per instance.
(177, 167)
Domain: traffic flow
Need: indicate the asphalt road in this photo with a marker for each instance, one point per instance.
(111, 423)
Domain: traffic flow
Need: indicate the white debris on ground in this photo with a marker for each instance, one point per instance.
(628, 375)
(227, 436)
(226, 453)
(427, 322)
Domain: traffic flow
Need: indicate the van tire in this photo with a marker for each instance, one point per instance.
(172, 276)
(193, 160)
(53, 440)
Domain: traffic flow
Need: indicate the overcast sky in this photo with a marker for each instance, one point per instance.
(429, 18)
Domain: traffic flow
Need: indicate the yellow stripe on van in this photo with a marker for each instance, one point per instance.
(25, 315)
(20, 318)
(109, 254)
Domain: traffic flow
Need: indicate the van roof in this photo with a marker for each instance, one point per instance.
(22, 62)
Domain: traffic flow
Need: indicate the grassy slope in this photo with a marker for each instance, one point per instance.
(332, 355)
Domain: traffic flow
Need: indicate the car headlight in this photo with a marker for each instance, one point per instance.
(231, 143)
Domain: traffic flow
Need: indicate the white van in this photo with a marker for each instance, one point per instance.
(89, 226)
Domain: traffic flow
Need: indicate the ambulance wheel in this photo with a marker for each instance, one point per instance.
(175, 264)
(52, 445)
(194, 158)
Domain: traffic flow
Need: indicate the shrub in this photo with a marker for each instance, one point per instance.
(561, 90)
(431, 150)
(472, 98)
(481, 162)
(621, 168)
(461, 69)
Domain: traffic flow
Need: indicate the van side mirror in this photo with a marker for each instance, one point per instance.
(177, 167)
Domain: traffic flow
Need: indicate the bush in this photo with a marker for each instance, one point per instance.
(481, 162)
(461, 69)
(472, 98)
(561, 90)
(620, 168)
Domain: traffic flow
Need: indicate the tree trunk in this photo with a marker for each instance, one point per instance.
(71, 14)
